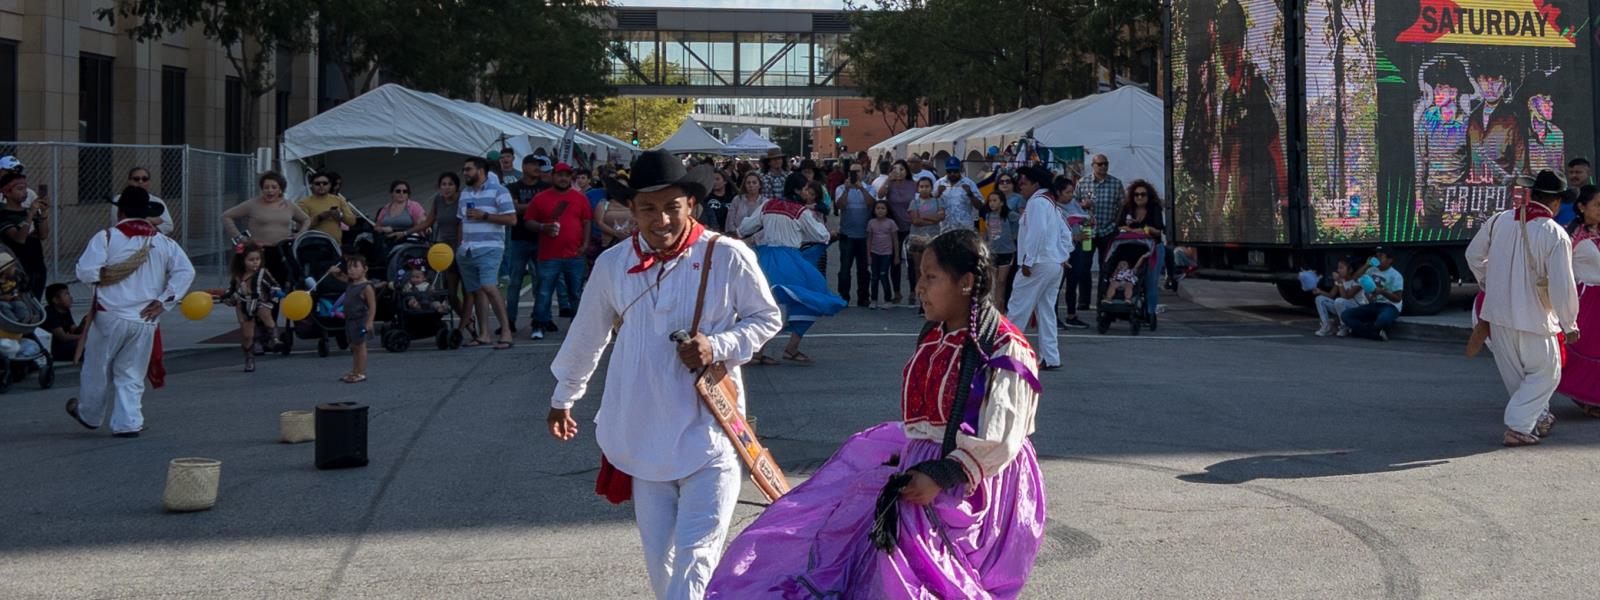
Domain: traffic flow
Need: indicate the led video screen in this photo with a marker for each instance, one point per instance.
(1230, 175)
(1421, 114)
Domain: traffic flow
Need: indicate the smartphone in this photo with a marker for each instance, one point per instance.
(44, 190)
(471, 205)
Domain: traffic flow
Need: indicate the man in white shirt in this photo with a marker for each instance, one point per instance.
(960, 198)
(160, 216)
(1523, 261)
(132, 289)
(659, 443)
(1373, 319)
(1044, 243)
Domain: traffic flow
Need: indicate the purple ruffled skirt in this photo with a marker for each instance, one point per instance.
(812, 543)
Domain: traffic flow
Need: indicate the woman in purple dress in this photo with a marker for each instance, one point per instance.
(947, 503)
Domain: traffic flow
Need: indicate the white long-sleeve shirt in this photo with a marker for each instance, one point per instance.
(1586, 262)
(1044, 237)
(779, 229)
(165, 276)
(652, 425)
(1499, 263)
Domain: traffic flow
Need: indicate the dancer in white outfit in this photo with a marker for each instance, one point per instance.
(138, 274)
(660, 445)
(1523, 260)
(1044, 243)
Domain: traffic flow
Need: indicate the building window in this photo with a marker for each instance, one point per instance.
(8, 90)
(233, 116)
(174, 106)
(94, 98)
(95, 177)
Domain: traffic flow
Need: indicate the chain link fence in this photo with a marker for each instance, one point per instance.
(81, 179)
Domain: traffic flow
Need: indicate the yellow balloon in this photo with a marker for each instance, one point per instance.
(440, 257)
(296, 305)
(196, 305)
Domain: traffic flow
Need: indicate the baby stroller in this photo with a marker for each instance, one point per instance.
(20, 352)
(1136, 249)
(406, 324)
(314, 254)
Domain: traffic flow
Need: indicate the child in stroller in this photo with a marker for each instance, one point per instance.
(253, 293)
(1122, 297)
(1122, 282)
(20, 314)
(420, 307)
(417, 292)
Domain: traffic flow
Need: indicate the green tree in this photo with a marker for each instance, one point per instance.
(656, 120)
(249, 32)
(964, 58)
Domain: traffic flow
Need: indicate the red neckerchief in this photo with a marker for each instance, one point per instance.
(647, 260)
(136, 228)
(1533, 210)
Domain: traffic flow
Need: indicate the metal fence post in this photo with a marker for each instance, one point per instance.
(187, 207)
(217, 243)
(55, 213)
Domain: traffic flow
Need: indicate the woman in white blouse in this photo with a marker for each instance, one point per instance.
(1580, 376)
(784, 225)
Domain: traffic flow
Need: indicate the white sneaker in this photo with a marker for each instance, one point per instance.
(538, 334)
(1326, 330)
(1344, 331)
(1383, 335)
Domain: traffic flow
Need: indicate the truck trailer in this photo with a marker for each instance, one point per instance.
(1303, 131)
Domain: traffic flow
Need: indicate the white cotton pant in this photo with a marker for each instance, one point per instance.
(115, 358)
(683, 525)
(1036, 297)
(1530, 366)
(1329, 309)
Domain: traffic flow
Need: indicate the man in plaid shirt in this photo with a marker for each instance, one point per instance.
(1102, 194)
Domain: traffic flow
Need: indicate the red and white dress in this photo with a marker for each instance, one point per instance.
(1580, 376)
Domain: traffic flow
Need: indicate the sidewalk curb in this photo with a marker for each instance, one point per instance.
(1430, 332)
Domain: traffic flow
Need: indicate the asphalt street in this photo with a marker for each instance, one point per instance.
(1229, 454)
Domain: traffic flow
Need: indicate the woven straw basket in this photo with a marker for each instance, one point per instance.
(191, 484)
(296, 426)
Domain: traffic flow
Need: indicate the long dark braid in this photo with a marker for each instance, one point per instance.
(959, 252)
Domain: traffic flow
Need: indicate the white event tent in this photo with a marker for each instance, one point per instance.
(691, 138)
(1125, 125)
(394, 133)
(748, 143)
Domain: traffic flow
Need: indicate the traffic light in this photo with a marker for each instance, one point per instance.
(838, 135)
(635, 137)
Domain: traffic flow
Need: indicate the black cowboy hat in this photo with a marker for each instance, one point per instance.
(657, 170)
(135, 203)
(1548, 182)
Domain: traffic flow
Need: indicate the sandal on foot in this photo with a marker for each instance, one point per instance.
(353, 378)
(797, 356)
(1589, 409)
(504, 345)
(1514, 438)
(473, 343)
(1542, 427)
(72, 409)
(763, 360)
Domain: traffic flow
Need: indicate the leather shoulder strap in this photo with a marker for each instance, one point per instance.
(705, 278)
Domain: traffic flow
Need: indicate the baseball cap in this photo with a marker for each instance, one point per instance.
(562, 167)
(544, 164)
(1384, 250)
(10, 162)
(952, 164)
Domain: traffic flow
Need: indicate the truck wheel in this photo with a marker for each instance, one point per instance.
(1427, 284)
(1291, 293)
